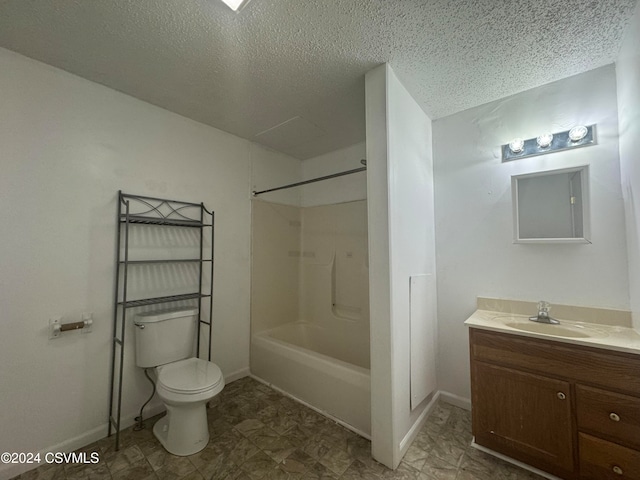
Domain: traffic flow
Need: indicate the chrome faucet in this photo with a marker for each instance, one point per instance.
(543, 314)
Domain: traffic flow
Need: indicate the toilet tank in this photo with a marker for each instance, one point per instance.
(165, 336)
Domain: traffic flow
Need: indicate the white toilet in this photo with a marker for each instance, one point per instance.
(165, 340)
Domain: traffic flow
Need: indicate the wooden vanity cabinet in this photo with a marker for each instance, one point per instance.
(569, 410)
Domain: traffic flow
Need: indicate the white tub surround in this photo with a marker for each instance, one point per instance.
(310, 307)
(603, 328)
(306, 362)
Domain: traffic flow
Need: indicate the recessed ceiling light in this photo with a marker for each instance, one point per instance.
(235, 5)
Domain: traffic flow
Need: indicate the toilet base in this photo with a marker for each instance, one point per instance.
(183, 430)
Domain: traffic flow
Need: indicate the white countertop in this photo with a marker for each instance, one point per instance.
(621, 339)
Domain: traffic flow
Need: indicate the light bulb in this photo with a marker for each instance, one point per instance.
(544, 140)
(516, 145)
(578, 133)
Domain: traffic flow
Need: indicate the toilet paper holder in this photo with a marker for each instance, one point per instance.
(56, 327)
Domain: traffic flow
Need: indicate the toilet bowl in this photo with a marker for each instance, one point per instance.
(165, 340)
(185, 387)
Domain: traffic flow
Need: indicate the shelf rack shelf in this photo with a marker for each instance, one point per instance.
(165, 222)
(151, 262)
(154, 301)
(142, 210)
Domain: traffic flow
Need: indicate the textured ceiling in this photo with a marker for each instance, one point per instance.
(290, 73)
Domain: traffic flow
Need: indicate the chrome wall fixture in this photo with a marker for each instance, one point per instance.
(578, 136)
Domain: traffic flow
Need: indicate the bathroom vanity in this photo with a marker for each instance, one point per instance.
(569, 406)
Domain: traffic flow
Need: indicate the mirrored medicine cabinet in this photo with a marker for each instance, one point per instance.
(551, 206)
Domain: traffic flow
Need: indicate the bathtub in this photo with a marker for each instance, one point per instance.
(325, 369)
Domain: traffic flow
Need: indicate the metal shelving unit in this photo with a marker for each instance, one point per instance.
(135, 211)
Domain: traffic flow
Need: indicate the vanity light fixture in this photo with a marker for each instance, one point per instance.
(544, 140)
(236, 5)
(578, 136)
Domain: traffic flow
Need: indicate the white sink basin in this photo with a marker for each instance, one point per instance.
(565, 329)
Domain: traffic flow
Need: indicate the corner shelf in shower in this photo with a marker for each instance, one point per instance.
(140, 211)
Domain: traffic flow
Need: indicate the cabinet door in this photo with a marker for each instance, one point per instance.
(524, 416)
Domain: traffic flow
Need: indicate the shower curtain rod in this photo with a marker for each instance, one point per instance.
(313, 180)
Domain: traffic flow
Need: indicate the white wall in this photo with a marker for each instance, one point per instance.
(401, 244)
(270, 169)
(628, 76)
(68, 146)
(476, 256)
(336, 190)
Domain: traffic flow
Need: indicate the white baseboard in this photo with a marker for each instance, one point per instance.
(411, 435)
(237, 375)
(440, 395)
(417, 426)
(455, 400)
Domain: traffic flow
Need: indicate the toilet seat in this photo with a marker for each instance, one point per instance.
(190, 376)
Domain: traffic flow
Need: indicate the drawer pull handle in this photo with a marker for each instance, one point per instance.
(617, 470)
(614, 417)
(561, 396)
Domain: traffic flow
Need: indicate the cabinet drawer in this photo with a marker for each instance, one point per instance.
(610, 414)
(602, 460)
(587, 365)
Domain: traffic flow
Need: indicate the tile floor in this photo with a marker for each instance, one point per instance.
(257, 433)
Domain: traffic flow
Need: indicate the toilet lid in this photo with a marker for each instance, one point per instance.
(189, 376)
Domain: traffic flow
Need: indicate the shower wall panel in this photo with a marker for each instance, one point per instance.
(275, 246)
(334, 268)
(310, 265)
